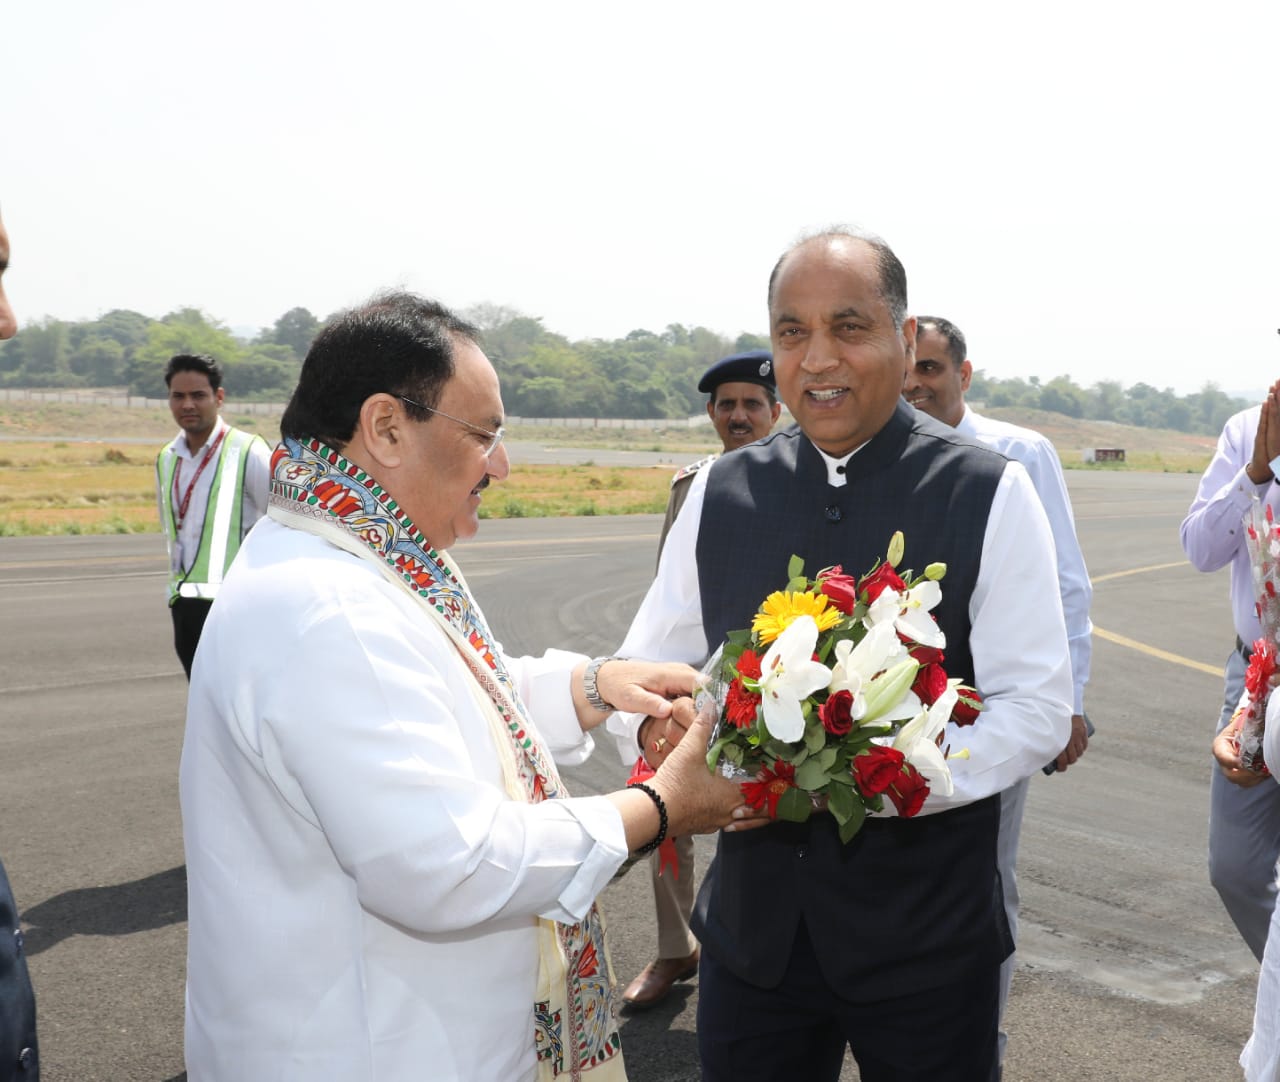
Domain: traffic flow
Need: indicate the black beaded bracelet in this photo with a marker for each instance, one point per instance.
(662, 817)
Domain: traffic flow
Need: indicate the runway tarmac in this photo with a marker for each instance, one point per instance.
(1129, 967)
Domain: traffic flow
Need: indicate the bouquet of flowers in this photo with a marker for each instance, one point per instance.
(836, 696)
(1262, 539)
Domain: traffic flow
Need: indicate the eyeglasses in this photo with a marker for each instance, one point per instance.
(495, 438)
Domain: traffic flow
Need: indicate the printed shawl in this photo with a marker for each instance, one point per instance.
(317, 490)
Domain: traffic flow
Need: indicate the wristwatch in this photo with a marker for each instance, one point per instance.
(589, 683)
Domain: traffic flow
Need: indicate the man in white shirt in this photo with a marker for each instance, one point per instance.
(936, 384)
(208, 458)
(743, 406)
(387, 881)
(1244, 816)
(809, 946)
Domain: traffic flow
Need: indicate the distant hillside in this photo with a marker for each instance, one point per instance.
(1148, 448)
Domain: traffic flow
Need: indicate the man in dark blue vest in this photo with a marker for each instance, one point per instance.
(890, 945)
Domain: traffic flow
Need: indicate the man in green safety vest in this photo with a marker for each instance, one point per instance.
(211, 484)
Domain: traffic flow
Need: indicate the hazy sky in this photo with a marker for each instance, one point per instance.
(1086, 188)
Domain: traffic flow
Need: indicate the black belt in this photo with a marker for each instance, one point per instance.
(1245, 652)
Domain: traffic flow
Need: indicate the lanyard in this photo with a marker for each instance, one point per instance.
(177, 477)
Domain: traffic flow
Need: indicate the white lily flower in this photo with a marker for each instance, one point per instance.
(918, 741)
(788, 676)
(884, 609)
(857, 664)
(914, 620)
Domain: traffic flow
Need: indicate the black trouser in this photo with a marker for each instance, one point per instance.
(189, 615)
(800, 1029)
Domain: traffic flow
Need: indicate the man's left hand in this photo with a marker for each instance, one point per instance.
(644, 687)
(1076, 745)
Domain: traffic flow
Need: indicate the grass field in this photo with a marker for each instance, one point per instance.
(106, 484)
(96, 488)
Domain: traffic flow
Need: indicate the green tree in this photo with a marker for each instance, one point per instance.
(294, 330)
(188, 330)
(99, 361)
(46, 350)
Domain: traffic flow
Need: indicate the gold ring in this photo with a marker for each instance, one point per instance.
(660, 743)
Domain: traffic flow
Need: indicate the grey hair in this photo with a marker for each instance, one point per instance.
(893, 276)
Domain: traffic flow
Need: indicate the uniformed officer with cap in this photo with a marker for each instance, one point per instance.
(743, 405)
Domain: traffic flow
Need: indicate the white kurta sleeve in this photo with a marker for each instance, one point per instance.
(1018, 643)
(387, 753)
(1073, 577)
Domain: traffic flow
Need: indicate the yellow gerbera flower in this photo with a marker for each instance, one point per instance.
(781, 608)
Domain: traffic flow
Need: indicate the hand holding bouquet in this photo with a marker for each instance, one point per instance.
(836, 698)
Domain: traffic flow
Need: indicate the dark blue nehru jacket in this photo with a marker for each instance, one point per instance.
(909, 904)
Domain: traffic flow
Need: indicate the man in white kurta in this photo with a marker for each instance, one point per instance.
(395, 876)
(376, 838)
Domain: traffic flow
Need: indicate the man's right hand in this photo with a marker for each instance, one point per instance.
(1266, 445)
(1226, 749)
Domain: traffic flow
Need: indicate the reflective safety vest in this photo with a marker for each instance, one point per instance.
(220, 534)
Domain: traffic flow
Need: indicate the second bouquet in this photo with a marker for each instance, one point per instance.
(836, 699)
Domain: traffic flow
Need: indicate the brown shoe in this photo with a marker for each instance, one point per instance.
(656, 979)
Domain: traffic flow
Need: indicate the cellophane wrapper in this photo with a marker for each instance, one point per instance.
(709, 703)
(1262, 538)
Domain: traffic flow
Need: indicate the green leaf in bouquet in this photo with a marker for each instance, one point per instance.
(853, 824)
(840, 801)
(779, 749)
(795, 806)
(811, 774)
(795, 568)
(828, 756)
(815, 737)
(724, 747)
(842, 777)
(740, 639)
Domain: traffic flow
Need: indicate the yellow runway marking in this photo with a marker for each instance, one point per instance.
(1138, 571)
(1162, 655)
(1142, 647)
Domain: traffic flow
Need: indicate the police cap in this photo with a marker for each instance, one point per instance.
(754, 366)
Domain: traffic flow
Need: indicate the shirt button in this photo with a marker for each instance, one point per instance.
(834, 514)
(800, 852)
(17, 940)
(26, 1058)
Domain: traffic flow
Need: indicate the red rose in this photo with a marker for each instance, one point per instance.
(874, 583)
(769, 786)
(749, 664)
(926, 655)
(1262, 666)
(930, 682)
(967, 707)
(908, 791)
(836, 714)
(875, 769)
(740, 705)
(842, 589)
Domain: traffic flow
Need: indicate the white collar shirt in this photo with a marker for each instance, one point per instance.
(1041, 462)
